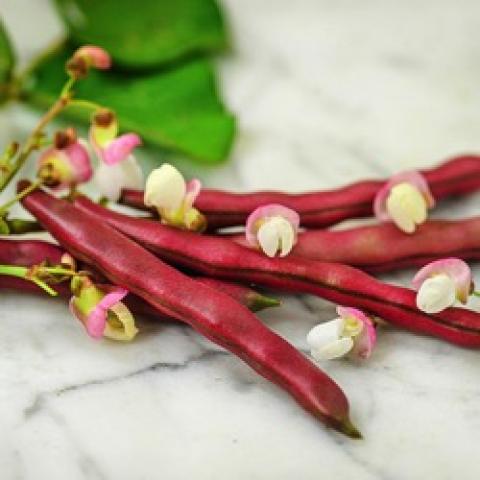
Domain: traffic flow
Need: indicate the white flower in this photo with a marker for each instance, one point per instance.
(436, 294)
(276, 234)
(165, 188)
(441, 283)
(273, 228)
(404, 200)
(111, 179)
(167, 191)
(353, 332)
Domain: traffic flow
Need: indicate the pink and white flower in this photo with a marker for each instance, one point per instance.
(118, 168)
(405, 200)
(353, 333)
(442, 283)
(101, 311)
(173, 198)
(273, 228)
(66, 164)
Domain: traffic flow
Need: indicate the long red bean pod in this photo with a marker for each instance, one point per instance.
(458, 176)
(32, 252)
(214, 314)
(344, 285)
(383, 248)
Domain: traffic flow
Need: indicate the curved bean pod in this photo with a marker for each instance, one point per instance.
(213, 314)
(458, 176)
(383, 248)
(341, 284)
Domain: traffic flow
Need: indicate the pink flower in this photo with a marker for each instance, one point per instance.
(441, 283)
(273, 228)
(101, 311)
(65, 164)
(118, 168)
(353, 333)
(110, 148)
(404, 200)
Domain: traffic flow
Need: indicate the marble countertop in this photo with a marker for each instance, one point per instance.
(326, 93)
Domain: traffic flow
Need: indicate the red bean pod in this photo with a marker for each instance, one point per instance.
(212, 313)
(458, 176)
(31, 252)
(383, 248)
(341, 284)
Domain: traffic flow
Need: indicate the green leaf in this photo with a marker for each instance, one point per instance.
(176, 108)
(7, 61)
(145, 33)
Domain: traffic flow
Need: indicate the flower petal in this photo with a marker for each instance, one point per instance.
(436, 294)
(122, 326)
(365, 337)
(120, 148)
(267, 237)
(95, 56)
(111, 179)
(100, 136)
(286, 235)
(94, 322)
(112, 296)
(54, 168)
(193, 189)
(260, 215)
(336, 349)
(365, 342)
(325, 333)
(352, 329)
(406, 206)
(413, 178)
(455, 268)
(165, 188)
(80, 161)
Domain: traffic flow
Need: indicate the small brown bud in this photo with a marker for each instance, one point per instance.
(77, 67)
(104, 118)
(65, 138)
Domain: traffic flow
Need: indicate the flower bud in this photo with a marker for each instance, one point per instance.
(86, 57)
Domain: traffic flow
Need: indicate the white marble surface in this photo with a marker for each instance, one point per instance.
(326, 92)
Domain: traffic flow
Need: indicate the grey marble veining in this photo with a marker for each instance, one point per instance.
(325, 93)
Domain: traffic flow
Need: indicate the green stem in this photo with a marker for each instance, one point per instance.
(34, 140)
(13, 271)
(44, 286)
(58, 271)
(85, 104)
(25, 273)
(18, 226)
(22, 272)
(4, 208)
(65, 93)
